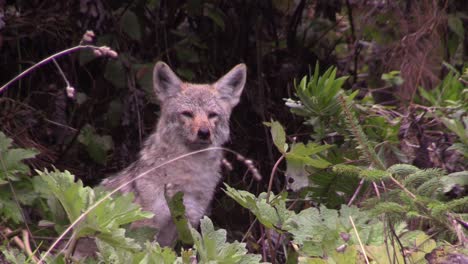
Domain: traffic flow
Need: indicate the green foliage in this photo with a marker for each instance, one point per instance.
(11, 166)
(449, 93)
(104, 221)
(449, 101)
(14, 174)
(393, 78)
(272, 213)
(430, 205)
(14, 256)
(318, 100)
(212, 247)
(416, 244)
(299, 157)
(330, 188)
(373, 175)
(318, 232)
(365, 147)
(400, 171)
(97, 146)
(150, 253)
(458, 125)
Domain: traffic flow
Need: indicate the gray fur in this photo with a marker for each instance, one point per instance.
(188, 113)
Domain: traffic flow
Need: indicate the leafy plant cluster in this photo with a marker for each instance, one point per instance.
(412, 214)
(77, 212)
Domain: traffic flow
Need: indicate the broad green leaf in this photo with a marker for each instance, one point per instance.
(151, 253)
(177, 208)
(318, 232)
(12, 166)
(271, 215)
(278, 135)
(212, 247)
(301, 156)
(141, 235)
(105, 220)
(130, 25)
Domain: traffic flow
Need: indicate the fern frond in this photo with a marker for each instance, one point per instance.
(414, 180)
(389, 207)
(431, 188)
(458, 205)
(374, 175)
(364, 145)
(400, 171)
(346, 170)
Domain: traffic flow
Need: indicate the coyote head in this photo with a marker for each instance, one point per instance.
(196, 115)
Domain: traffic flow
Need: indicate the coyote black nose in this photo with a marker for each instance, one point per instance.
(203, 133)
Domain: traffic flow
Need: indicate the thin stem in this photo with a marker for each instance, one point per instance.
(403, 187)
(27, 246)
(358, 189)
(359, 239)
(248, 230)
(61, 72)
(376, 189)
(270, 183)
(44, 61)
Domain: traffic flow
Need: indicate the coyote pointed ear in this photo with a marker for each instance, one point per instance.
(165, 81)
(230, 86)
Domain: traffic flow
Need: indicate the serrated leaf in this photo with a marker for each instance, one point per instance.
(141, 235)
(105, 219)
(318, 232)
(271, 215)
(12, 160)
(212, 247)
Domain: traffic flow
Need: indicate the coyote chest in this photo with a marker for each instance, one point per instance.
(194, 118)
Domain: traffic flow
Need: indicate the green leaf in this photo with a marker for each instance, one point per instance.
(212, 247)
(97, 146)
(278, 135)
(456, 25)
(12, 164)
(271, 215)
(105, 219)
(216, 15)
(130, 25)
(301, 156)
(177, 209)
(318, 232)
(141, 235)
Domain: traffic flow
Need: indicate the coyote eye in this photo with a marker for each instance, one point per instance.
(212, 115)
(187, 114)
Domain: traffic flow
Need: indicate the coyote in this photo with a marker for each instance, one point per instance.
(193, 117)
